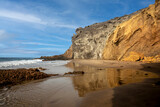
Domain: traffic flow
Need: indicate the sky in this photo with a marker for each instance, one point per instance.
(34, 28)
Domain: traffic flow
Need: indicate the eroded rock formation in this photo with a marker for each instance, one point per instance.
(89, 42)
(117, 38)
(140, 34)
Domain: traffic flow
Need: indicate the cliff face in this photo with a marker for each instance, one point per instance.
(117, 38)
(89, 42)
(134, 37)
(140, 34)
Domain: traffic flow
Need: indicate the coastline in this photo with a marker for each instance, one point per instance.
(105, 83)
(11, 77)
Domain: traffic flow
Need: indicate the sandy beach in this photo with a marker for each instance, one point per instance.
(119, 64)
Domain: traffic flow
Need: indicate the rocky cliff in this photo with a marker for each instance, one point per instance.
(140, 34)
(134, 37)
(89, 42)
(117, 38)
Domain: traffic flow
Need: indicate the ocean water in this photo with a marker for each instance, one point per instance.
(52, 67)
(10, 62)
(5, 59)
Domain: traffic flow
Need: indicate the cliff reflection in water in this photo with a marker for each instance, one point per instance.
(96, 79)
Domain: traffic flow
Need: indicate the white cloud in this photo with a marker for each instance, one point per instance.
(53, 49)
(18, 51)
(4, 35)
(21, 16)
(34, 19)
(2, 46)
(65, 26)
(36, 43)
(60, 38)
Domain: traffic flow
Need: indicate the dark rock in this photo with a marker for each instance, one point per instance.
(145, 74)
(11, 77)
(157, 83)
(75, 72)
(100, 69)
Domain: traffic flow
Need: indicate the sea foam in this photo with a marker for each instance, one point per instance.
(20, 62)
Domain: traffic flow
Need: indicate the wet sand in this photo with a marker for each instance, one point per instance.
(137, 91)
(109, 63)
(104, 84)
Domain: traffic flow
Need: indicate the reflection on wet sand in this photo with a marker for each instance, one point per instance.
(97, 78)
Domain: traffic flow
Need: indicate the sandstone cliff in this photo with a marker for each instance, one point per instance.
(89, 42)
(120, 37)
(140, 34)
(134, 37)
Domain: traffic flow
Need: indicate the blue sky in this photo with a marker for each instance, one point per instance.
(34, 28)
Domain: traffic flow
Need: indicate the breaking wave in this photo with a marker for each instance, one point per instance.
(19, 62)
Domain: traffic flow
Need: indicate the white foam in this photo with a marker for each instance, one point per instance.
(20, 62)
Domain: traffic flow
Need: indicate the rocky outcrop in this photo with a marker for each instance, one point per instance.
(140, 57)
(66, 56)
(89, 42)
(11, 77)
(140, 34)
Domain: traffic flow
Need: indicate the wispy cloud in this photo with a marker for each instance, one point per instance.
(21, 16)
(4, 35)
(31, 18)
(19, 51)
(2, 45)
(64, 25)
(54, 49)
(36, 43)
(60, 38)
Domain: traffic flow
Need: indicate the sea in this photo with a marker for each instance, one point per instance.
(52, 67)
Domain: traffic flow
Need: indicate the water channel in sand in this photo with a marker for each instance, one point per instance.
(97, 87)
